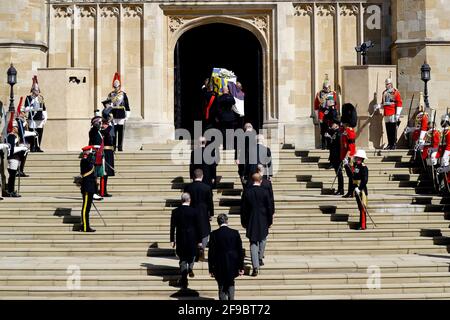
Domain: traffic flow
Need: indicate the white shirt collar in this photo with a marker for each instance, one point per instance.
(224, 225)
(185, 204)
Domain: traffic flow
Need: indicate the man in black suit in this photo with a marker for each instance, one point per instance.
(267, 184)
(184, 223)
(264, 157)
(206, 162)
(226, 116)
(246, 155)
(256, 218)
(225, 257)
(202, 200)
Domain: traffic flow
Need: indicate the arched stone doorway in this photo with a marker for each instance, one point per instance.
(210, 45)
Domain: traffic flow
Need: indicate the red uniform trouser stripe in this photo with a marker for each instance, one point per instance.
(102, 186)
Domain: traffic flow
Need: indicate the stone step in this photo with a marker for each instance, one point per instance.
(73, 191)
(82, 251)
(139, 265)
(164, 217)
(290, 225)
(274, 234)
(203, 279)
(211, 290)
(162, 242)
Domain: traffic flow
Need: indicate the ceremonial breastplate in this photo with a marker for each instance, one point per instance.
(388, 97)
(117, 99)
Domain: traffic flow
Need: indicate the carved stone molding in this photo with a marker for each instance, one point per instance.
(349, 9)
(260, 22)
(326, 10)
(87, 11)
(132, 11)
(175, 23)
(303, 9)
(109, 11)
(63, 11)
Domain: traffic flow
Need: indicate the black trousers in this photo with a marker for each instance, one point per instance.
(11, 180)
(391, 131)
(40, 132)
(86, 209)
(118, 129)
(22, 164)
(224, 125)
(323, 130)
(349, 173)
(340, 177)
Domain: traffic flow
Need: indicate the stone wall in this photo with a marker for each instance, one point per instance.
(23, 41)
(422, 33)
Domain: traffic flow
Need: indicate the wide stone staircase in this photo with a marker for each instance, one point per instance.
(313, 250)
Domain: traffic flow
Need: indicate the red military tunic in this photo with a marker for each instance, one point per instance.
(435, 138)
(390, 110)
(348, 138)
(321, 99)
(421, 126)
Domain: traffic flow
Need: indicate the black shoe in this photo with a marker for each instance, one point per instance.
(261, 263)
(39, 150)
(191, 274)
(1, 198)
(347, 195)
(120, 148)
(90, 230)
(107, 195)
(13, 195)
(255, 272)
(339, 192)
(22, 174)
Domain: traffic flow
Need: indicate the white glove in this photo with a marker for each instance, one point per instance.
(345, 162)
(421, 142)
(377, 107)
(357, 190)
(128, 114)
(327, 135)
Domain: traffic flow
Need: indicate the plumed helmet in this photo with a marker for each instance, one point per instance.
(445, 120)
(116, 81)
(421, 106)
(35, 85)
(388, 81)
(326, 82)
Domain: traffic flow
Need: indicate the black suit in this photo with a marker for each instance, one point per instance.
(184, 221)
(265, 158)
(256, 218)
(247, 154)
(209, 169)
(202, 199)
(225, 259)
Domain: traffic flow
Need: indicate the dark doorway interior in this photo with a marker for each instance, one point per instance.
(219, 45)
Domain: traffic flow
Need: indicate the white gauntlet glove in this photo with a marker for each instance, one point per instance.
(128, 114)
(345, 161)
(357, 191)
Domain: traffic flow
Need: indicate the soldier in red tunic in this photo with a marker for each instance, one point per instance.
(444, 153)
(324, 101)
(392, 105)
(348, 149)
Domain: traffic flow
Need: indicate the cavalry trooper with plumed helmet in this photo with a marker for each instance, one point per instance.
(392, 105)
(96, 140)
(325, 100)
(37, 114)
(118, 100)
(444, 154)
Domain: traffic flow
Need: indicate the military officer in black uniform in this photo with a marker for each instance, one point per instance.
(108, 134)
(96, 140)
(88, 185)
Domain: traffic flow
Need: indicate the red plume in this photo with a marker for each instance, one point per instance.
(19, 107)
(116, 77)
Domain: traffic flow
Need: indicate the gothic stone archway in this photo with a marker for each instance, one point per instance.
(258, 22)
